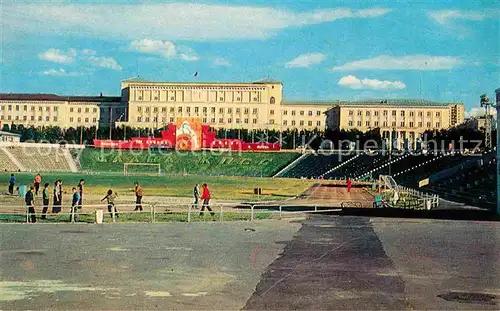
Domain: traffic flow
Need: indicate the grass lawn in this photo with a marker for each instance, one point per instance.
(222, 187)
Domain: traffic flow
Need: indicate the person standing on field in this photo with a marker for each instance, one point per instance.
(110, 197)
(12, 183)
(205, 196)
(56, 206)
(30, 204)
(73, 217)
(196, 194)
(138, 196)
(37, 182)
(45, 199)
(80, 190)
(349, 185)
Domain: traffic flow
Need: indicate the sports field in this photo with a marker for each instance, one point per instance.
(222, 187)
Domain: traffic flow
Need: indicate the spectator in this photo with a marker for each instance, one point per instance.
(37, 181)
(205, 196)
(110, 197)
(12, 183)
(196, 194)
(138, 196)
(80, 190)
(30, 205)
(349, 185)
(73, 217)
(56, 207)
(45, 199)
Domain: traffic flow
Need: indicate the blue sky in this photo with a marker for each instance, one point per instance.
(438, 50)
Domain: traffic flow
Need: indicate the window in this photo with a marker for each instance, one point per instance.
(179, 109)
(172, 98)
(146, 119)
(403, 124)
(221, 110)
(17, 118)
(285, 112)
(25, 118)
(350, 123)
(255, 111)
(70, 119)
(318, 113)
(147, 109)
(271, 112)
(237, 120)
(360, 113)
(428, 124)
(368, 113)
(411, 113)
(79, 120)
(33, 109)
(438, 125)
(86, 120)
(238, 98)
(411, 124)
(171, 110)
(302, 112)
(204, 120)
(86, 110)
(155, 109)
(385, 113)
(221, 120)
(163, 119)
(375, 123)
(17, 107)
(213, 120)
(293, 112)
(285, 122)
(10, 107)
(163, 109)
(79, 109)
(301, 123)
(310, 113)
(318, 123)
(246, 121)
(394, 113)
(39, 118)
(139, 109)
(402, 113)
(255, 99)
(367, 123)
(246, 111)
(420, 124)
(221, 99)
(139, 119)
(393, 123)
(359, 123)
(47, 118)
(429, 113)
(376, 113)
(71, 109)
(309, 123)
(420, 113)
(196, 109)
(351, 112)
(293, 122)
(272, 100)
(229, 110)
(229, 120)
(56, 108)
(385, 123)
(33, 118)
(171, 119)
(438, 114)
(238, 110)
(93, 110)
(155, 119)
(93, 120)
(254, 121)
(204, 109)
(212, 109)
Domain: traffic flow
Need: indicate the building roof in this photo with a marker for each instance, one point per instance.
(3, 133)
(54, 97)
(396, 102)
(311, 102)
(140, 81)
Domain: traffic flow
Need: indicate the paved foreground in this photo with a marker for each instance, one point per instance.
(326, 262)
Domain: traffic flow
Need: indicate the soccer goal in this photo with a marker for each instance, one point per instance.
(147, 169)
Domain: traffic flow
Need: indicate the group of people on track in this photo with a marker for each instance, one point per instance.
(205, 196)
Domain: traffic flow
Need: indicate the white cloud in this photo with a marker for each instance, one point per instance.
(479, 112)
(166, 49)
(444, 17)
(88, 52)
(60, 72)
(409, 62)
(105, 62)
(306, 60)
(58, 56)
(191, 21)
(353, 82)
(220, 62)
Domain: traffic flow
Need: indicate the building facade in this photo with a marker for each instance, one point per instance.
(406, 119)
(41, 110)
(497, 93)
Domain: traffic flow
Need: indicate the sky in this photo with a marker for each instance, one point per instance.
(438, 50)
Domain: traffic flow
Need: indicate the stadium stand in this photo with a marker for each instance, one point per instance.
(41, 158)
(315, 165)
(358, 166)
(475, 185)
(6, 163)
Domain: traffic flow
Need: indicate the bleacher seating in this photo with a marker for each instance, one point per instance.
(474, 185)
(6, 163)
(315, 165)
(43, 159)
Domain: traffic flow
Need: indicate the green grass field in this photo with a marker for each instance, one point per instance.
(222, 187)
(255, 164)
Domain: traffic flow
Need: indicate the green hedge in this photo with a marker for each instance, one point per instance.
(195, 163)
